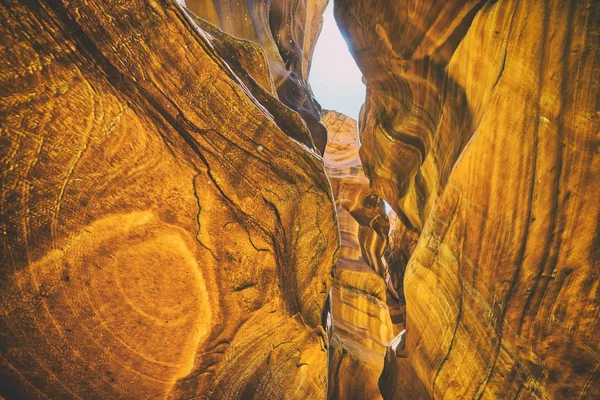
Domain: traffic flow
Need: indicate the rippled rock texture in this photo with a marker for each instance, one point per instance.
(167, 226)
(360, 325)
(480, 129)
(168, 230)
(287, 30)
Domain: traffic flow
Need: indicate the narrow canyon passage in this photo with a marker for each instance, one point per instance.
(192, 207)
(360, 326)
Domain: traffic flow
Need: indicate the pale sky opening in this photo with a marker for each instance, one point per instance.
(334, 77)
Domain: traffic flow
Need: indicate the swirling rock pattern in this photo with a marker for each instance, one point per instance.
(167, 226)
(287, 30)
(480, 129)
(360, 318)
(168, 230)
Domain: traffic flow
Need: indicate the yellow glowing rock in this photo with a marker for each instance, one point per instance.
(287, 30)
(360, 318)
(480, 129)
(167, 226)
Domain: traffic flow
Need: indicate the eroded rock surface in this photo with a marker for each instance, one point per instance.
(287, 30)
(360, 318)
(168, 230)
(480, 129)
(167, 226)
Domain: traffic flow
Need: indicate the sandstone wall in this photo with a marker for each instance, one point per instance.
(480, 129)
(167, 226)
(287, 30)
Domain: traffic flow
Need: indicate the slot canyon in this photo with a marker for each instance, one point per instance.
(182, 219)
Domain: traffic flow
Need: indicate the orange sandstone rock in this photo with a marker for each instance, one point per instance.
(287, 30)
(168, 229)
(480, 129)
(360, 318)
(167, 226)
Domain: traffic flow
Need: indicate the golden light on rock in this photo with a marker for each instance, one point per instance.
(480, 129)
(360, 324)
(168, 228)
(180, 218)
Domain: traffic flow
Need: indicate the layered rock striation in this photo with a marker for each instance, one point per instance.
(287, 30)
(480, 128)
(168, 230)
(360, 325)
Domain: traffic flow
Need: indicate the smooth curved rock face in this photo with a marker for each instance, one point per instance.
(287, 30)
(480, 128)
(360, 317)
(415, 121)
(167, 226)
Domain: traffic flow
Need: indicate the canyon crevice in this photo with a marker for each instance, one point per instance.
(181, 219)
